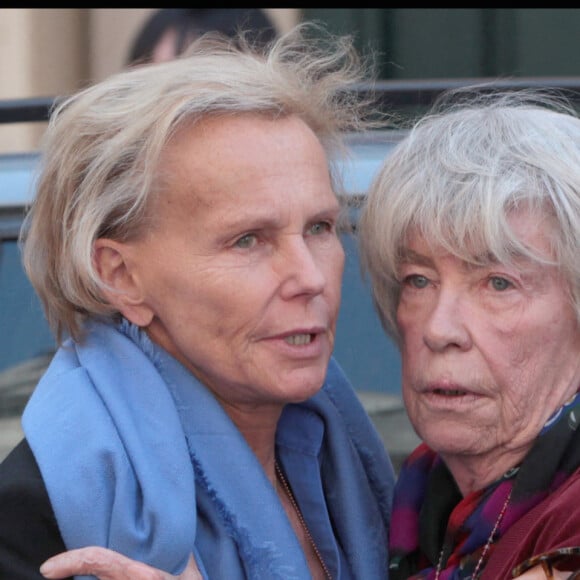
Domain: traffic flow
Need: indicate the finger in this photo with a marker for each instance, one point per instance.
(537, 573)
(103, 563)
(191, 571)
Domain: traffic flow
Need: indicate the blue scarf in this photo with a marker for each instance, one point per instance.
(131, 446)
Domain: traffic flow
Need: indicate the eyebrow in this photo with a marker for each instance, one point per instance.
(409, 256)
(250, 220)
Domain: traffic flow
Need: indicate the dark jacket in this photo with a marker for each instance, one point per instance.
(29, 534)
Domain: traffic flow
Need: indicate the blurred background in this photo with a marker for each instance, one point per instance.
(52, 51)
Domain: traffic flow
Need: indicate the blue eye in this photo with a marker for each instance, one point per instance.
(417, 281)
(247, 241)
(500, 284)
(320, 228)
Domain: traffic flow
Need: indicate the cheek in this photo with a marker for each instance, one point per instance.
(207, 296)
(334, 252)
(409, 316)
(331, 261)
(518, 351)
(410, 330)
(338, 270)
(523, 342)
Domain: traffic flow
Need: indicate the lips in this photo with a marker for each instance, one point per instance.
(449, 392)
(298, 336)
(446, 388)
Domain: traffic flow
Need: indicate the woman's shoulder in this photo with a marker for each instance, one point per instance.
(28, 530)
(562, 507)
(22, 489)
(557, 516)
(19, 467)
(553, 523)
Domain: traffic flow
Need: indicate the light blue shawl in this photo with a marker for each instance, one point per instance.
(129, 443)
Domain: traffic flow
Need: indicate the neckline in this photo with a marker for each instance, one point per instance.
(288, 491)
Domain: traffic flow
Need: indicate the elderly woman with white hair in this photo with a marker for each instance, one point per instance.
(471, 237)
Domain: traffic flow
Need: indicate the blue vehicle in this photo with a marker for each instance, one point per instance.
(26, 343)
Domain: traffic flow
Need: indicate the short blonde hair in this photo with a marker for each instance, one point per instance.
(461, 171)
(101, 151)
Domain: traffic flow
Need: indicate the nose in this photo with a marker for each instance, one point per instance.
(447, 323)
(301, 269)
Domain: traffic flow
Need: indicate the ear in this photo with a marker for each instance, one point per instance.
(118, 272)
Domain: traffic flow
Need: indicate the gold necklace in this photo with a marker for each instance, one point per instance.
(487, 544)
(290, 496)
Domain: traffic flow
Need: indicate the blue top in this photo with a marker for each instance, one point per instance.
(138, 456)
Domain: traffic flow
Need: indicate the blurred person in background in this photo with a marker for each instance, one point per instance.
(169, 31)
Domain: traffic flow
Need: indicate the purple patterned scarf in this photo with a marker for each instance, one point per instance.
(432, 521)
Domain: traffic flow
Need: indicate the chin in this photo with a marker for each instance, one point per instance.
(454, 447)
(301, 388)
(448, 440)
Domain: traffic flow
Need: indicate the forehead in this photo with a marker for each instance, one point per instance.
(224, 134)
(241, 161)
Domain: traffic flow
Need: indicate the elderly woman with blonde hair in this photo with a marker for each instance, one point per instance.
(184, 240)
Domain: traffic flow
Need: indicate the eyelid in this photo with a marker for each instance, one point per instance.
(413, 268)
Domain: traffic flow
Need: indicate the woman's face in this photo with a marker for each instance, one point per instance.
(488, 353)
(241, 271)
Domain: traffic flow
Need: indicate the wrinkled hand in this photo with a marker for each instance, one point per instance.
(537, 573)
(109, 565)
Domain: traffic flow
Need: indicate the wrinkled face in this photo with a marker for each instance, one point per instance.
(241, 271)
(489, 353)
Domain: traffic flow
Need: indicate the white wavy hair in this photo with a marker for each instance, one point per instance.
(458, 175)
